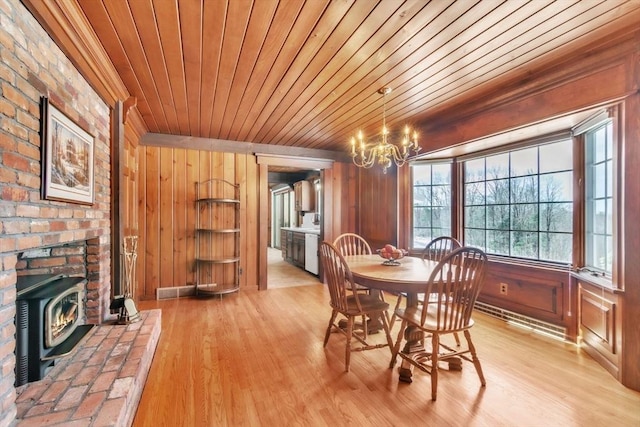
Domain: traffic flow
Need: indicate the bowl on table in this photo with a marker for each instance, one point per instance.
(392, 254)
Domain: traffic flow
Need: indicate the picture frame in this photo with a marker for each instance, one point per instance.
(67, 157)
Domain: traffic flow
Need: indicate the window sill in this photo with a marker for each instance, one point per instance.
(599, 281)
(529, 263)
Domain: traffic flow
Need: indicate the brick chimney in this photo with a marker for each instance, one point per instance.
(33, 66)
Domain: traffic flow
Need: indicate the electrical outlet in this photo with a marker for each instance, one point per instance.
(503, 288)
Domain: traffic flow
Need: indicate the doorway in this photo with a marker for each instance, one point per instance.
(280, 271)
(280, 164)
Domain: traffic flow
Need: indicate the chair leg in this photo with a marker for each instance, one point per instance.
(365, 327)
(387, 331)
(334, 313)
(393, 316)
(381, 293)
(457, 337)
(435, 344)
(396, 348)
(386, 315)
(347, 356)
(474, 357)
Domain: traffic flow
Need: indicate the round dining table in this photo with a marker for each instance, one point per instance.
(409, 276)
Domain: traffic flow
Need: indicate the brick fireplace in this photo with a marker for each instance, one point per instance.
(31, 66)
(50, 307)
(97, 301)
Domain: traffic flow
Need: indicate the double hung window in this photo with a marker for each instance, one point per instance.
(599, 198)
(431, 202)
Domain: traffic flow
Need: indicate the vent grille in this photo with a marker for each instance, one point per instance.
(22, 355)
(175, 292)
(536, 325)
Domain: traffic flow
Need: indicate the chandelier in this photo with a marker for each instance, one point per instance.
(383, 152)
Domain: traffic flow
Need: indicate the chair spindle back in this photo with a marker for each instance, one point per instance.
(352, 244)
(453, 287)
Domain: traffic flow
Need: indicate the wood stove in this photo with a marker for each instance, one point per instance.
(49, 322)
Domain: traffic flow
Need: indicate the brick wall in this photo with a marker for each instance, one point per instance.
(31, 66)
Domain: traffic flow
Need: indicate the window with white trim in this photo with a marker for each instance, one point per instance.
(431, 202)
(599, 197)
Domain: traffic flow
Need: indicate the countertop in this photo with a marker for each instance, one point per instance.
(304, 230)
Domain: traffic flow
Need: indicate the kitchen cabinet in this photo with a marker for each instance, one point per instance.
(284, 244)
(303, 196)
(297, 257)
(296, 251)
(217, 252)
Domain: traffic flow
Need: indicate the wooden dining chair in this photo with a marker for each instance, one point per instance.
(351, 304)
(454, 286)
(354, 244)
(439, 247)
(434, 251)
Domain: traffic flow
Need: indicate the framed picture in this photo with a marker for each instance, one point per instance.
(67, 157)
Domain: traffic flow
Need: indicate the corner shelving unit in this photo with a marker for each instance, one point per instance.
(217, 237)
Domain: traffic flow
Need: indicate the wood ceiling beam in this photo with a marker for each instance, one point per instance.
(244, 147)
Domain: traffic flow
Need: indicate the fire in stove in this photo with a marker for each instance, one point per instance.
(61, 314)
(65, 315)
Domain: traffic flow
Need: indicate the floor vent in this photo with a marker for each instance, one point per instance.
(536, 325)
(174, 292)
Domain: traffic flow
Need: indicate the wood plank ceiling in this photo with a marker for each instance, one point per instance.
(306, 73)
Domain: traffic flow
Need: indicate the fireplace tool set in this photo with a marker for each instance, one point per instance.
(127, 311)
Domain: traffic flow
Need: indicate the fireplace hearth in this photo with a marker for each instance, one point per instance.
(49, 322)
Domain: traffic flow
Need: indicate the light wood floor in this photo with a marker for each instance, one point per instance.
(281, 274)
(256, 359)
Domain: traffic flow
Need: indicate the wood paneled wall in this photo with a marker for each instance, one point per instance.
(340, 201)
(377, 206)
(167, 213)
(165, 218)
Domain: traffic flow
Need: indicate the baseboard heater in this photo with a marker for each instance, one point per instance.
(546, 328)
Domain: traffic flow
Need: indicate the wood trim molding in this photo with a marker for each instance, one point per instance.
(306, 163)
(263, 237)
(602, 55)
(118, 197)
(227, 146)
(68, 26)
(130, 103)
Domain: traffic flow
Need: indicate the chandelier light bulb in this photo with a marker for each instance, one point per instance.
(383, 151)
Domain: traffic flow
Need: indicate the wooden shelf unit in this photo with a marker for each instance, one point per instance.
(217, 237)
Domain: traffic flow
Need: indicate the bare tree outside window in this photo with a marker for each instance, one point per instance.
(519, 203)
(431, 202)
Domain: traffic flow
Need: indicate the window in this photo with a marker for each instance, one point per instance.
(599, 197)
(520, 203)
(431, 202)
